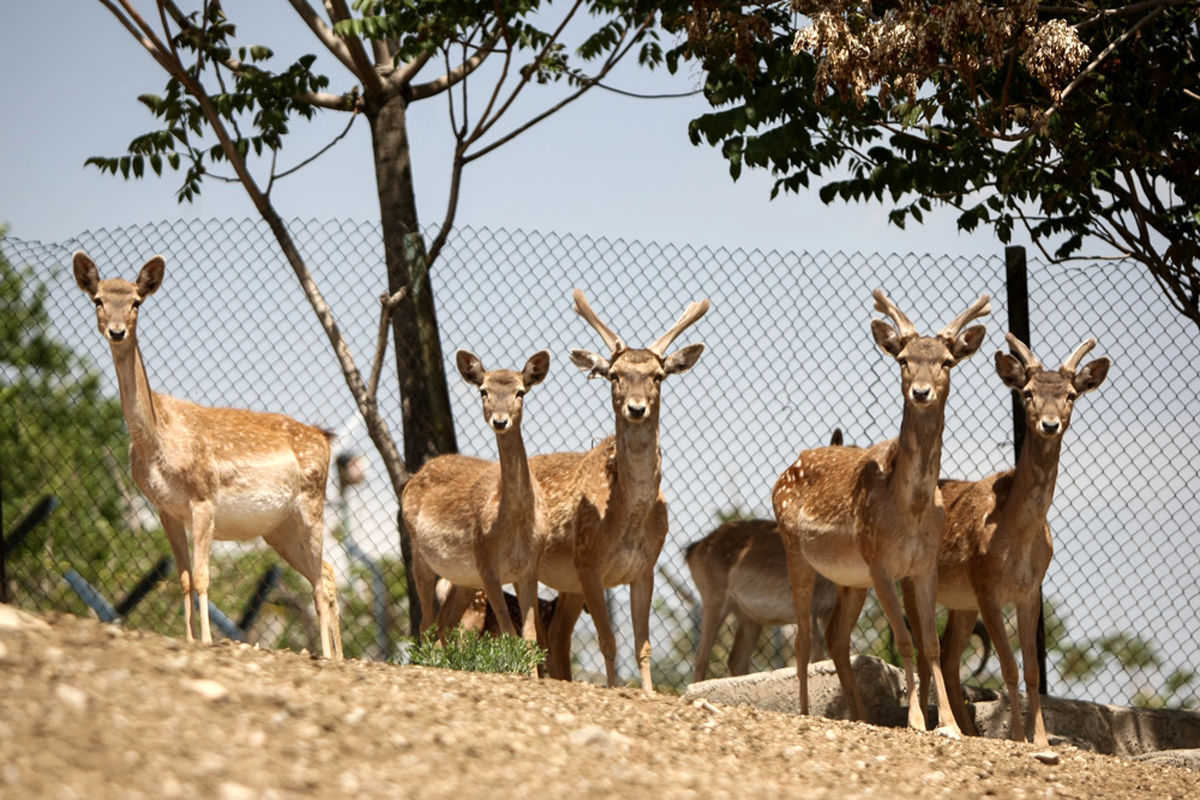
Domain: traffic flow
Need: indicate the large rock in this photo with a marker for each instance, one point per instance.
(1165, 736)
(881, 685)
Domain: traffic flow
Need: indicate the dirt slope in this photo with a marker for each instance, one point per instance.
(92, 711)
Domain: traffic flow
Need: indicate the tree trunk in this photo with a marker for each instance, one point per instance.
(425, 399)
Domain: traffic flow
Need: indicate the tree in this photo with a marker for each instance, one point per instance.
(225, 105)
(1076, 120)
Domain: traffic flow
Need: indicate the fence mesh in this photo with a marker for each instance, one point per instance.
(789, 358)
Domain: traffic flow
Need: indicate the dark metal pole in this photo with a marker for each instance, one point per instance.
(1017, 282)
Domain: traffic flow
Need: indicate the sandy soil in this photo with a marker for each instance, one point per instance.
(93, 711)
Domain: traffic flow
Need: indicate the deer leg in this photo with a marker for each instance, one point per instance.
(1027, 615)
(885, 589)
(837, 638)
(335, 615)
(310, 542)
(744, 640)
(495, 595)
(711, 615)
(993, 620)
(426, 581)
(593, 595)
(924, 616)
(527, 599)
(641, 594)
(304, 555)
(202, 536)
(803, 578)
(177, 538)
(562, 626)
(924, 669)
(958, 630)
(452, 609)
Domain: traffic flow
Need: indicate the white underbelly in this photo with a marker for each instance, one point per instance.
(243, 517)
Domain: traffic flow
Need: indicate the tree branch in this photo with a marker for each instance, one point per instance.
(363, 67)
(324, 34)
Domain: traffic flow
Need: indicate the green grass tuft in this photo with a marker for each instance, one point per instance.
(471, 652)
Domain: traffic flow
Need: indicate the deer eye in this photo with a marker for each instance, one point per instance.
(483, 393)
(520, 392)
(948, 363)
(135, 304)
(99, 303)
(1028, 394)
(1071, 395)
(902, 361)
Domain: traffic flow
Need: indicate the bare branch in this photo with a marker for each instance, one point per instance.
(387, 307)
(324, 33)
(363, 67)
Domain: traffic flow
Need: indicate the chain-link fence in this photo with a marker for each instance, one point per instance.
(789, 358)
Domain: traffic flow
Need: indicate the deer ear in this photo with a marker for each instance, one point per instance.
(594, 364)
(682, 359)
(967, 343)
(1092, 375)
(1011, 371)
(87, 277)
(151, 276)
(536, 368)
(887, 338)
(470, 367)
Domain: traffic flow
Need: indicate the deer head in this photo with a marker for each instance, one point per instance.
(636, 375)
(1049, 395)
(503, 390)
(117, 300)
(925, 361)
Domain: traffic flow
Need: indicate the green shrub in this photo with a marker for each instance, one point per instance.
(469, 651)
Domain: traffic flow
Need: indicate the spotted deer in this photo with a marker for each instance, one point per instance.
(608, 515)
(869, 517)
(480, 523)
(218, 473)
(997, 546)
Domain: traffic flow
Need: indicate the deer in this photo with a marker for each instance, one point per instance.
(997, 544)
(608, 514)
(480, 523)
(740, 566)
(223, 474)
(866, 517)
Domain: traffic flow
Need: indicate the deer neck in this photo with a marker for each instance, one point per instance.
(137, 400)
(638, 461)
(516, 481)
(914, 475)
(1036, 473)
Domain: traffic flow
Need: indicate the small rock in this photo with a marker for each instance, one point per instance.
(236, 791)
(590, 735)
(206, 688)
(355, 716)
(1047, 757)
(73, 698)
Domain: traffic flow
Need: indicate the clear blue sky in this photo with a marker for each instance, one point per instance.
(608, 166)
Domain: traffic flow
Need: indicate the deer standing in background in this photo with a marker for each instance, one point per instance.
(608, 516)
(480, 523)
(741, 567)
(220, 473)
(869, 517)
(997, 546)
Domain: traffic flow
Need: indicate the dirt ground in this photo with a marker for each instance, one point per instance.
(93, 711)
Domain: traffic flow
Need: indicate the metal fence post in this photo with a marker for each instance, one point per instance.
(1017, 286)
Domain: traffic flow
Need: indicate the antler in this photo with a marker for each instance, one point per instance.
(884, 305)
(584, 309)
(693, 312)
(1022, 351)
(980, 308)
(1072, 362)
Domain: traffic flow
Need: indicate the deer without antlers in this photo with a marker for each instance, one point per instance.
(869, 517)
(481, 523)
(608, 516)
(741, 567)
(220, 473)
(997, 544)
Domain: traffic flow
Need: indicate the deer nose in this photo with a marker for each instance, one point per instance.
(921, 393)
(1050, 426)
(636, 410)
(116, 335)
(500, 423)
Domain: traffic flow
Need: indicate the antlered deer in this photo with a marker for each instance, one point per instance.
(997, 544)
(869, 517)
(608, 516)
